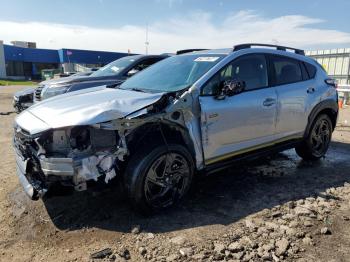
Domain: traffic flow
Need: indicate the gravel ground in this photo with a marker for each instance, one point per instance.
(276, 209)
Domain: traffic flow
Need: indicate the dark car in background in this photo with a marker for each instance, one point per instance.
(23, 99)
(111, 74)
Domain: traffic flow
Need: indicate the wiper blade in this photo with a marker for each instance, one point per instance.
(114, 85)
(138, 90)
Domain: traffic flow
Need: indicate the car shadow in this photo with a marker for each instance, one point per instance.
(222, 198)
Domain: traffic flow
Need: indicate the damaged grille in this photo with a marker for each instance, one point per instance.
(21, 136)
(22, 140)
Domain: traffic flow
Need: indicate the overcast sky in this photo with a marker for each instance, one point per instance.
(175, 24)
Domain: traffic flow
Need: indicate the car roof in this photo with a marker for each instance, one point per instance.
(149, 56)
(247, 46)
(223, 51)
(261, 48)
(228, 51)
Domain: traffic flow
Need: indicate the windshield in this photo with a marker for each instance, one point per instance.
(172, 74)
(115, 67)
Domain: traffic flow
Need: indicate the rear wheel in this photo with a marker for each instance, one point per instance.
(317, 142)
(158, 178)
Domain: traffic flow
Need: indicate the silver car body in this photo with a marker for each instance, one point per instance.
(215, 129)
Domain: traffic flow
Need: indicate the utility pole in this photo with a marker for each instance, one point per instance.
(146, 43)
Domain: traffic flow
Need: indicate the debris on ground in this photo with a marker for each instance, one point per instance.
(102, 253)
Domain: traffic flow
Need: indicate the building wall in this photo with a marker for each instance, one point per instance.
(28, 62)
(336, 62)
(2, 61)
(33, 55)
(75, 56)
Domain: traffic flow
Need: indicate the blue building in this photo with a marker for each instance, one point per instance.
(25, 62)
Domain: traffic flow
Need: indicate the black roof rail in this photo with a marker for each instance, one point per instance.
(167, 54)
(278, 47)
(184, 51)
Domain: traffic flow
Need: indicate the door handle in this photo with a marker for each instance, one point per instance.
(310, 90)
(269, 102)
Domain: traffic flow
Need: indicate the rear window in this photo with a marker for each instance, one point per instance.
(287, 70)
(311, 70)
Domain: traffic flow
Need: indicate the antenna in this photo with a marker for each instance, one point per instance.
(146, 43)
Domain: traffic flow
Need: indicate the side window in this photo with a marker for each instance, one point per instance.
(212, 87)
(304, 71)
(287, 70)
(311, 70)
(143, 65)
(251, 69)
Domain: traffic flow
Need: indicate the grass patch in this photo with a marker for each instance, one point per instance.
(17, 83)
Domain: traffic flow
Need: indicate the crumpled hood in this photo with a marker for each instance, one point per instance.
(85, 108)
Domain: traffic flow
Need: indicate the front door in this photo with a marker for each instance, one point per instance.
(242, 122)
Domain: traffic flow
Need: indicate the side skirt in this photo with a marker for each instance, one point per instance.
(215, 167)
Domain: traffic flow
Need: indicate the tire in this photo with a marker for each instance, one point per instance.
(151, 191)
(316, 144)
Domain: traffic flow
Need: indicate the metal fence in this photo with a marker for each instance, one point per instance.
(335, 61)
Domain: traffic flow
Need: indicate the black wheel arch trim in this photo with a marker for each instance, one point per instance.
(188, 143)
(328, 104)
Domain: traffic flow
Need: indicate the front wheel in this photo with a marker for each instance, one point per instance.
(158, 178)
(317, 141)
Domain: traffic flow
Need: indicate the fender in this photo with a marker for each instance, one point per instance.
(329, 104)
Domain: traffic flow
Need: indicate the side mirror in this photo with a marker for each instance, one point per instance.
(133, 72)
(230, 88)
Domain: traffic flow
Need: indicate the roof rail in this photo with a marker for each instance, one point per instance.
(278, 47)
(184, 51)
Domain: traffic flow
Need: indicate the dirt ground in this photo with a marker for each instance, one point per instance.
(276, 209)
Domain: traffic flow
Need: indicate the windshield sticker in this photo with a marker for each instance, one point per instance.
(206, 59)
(114, 68)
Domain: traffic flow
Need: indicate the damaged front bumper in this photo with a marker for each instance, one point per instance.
(57, 166)
(33, 189)
(67, 171)
(38, 171)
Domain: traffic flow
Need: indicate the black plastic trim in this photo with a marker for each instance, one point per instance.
(184, 51)
(252, 155)
(326, 104)
(278, 47)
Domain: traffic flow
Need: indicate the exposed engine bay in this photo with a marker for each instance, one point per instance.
(71, 155)
(74, 155)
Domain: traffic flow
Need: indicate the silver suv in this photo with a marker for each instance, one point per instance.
(196, 111)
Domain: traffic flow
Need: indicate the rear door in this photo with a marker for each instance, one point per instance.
(290, 80)
(241, 122)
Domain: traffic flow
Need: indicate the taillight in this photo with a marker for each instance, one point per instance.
(331, 82)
